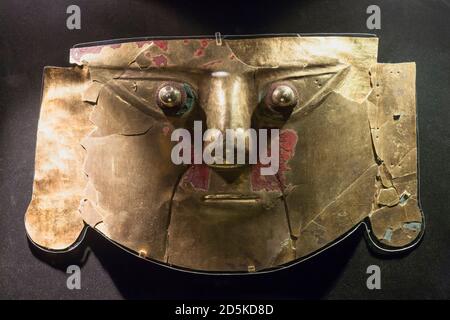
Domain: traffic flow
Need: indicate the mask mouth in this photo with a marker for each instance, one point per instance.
(226, 166)
(231, 198)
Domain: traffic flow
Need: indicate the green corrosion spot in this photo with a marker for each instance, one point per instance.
(190, 100)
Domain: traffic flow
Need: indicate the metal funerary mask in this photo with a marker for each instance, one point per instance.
(347, 150)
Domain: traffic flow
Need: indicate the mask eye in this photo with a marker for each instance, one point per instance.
(280, 100)
(281, 96)
(175, 99)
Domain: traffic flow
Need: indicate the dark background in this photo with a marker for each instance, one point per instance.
(33, 34)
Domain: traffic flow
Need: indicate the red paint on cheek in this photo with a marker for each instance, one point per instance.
(288, 142)
(197, 176)
(261, 183)
(160, 60)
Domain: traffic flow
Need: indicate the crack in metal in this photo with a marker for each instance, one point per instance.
(169, 218)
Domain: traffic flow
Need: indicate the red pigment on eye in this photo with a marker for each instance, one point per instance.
(160, 60)
(288, 141)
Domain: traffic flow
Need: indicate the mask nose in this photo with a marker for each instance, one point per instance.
(228, 105)
(233, 147)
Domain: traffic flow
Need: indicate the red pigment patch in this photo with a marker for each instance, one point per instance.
(115, 46)
(162, 44)
(199, 52)
(140, 44)
(166, 130)
(204, 43)
(288, 141)
(77, 53)
(197, 176)
(260, 182)
(186, 41)
(160, 61)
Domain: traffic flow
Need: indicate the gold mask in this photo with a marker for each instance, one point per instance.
(347, 155)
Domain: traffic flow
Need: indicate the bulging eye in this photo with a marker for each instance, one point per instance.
(175, 99)
(170, 96)
(281, 96)
(279, 101)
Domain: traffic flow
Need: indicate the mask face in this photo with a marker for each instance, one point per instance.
(327, 142)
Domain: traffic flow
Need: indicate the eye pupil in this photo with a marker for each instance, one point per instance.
(284, 96)
(170, 96)
(175, 98)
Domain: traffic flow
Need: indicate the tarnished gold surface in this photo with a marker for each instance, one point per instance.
(347, 150)
(52, 220)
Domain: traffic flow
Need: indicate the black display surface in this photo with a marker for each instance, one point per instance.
(33, 34)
